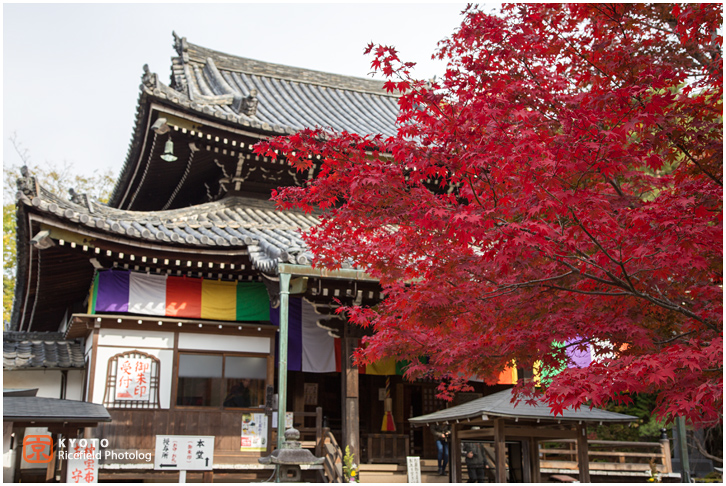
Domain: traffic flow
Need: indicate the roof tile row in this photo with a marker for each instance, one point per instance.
(285, 99)
(270, 236)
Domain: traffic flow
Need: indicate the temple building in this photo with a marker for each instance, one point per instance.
(164, 305)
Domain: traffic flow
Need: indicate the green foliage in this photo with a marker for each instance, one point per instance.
(350, 469)
(9, 260)
(55, 178)
(646, 428)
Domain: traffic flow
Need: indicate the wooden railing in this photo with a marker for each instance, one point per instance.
(388, 448)
(310, 436)
(333, 464)
(606, 455)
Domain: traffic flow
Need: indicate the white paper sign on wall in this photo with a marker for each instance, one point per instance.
(132, 379)
(254, 432)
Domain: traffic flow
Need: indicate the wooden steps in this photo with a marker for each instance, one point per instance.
(395, 473)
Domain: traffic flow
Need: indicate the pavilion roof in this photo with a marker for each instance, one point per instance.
(500, 405)
(52, 410)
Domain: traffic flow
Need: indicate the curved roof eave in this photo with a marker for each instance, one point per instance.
(270, 236)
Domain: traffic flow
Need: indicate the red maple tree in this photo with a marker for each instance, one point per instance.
(561, 183)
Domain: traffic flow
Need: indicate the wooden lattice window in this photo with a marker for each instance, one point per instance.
(132, 381)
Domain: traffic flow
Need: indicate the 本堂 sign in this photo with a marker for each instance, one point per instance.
(184, 452)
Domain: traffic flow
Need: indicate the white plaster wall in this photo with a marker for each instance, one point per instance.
(161, 345)
(166, 362)
(213, 342)
(89, 345)
(136, 339)
(74, 388)
(48, 382)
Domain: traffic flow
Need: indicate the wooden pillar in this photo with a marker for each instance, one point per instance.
(500, 450)
(50, 469)
(526, 461)
(298, 398)
(665, 450)
(18, 445)
(349, 386)
(91, 374)
(400, 414)
(583, 461)
(319, 431)
(208, 477)
(63, 466)
(534, 452)
(455, 454)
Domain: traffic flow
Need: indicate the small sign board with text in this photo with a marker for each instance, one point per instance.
(83, 463)
(132, 379)
(184, 453)
(413, 464)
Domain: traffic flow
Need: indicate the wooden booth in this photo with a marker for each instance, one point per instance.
(510, 435)
(32, 426)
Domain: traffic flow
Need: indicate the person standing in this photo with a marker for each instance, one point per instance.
(239, 396)
(442, 432)
(475, 462)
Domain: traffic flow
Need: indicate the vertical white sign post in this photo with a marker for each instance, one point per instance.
(413, 464)
(184, 453)
(82, 464)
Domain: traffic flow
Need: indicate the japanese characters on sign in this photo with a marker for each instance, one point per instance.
(311, 393)
(184, 452)
(288, 419)
(413, 466)
(254, 432)
(132, 379)
(83, 462)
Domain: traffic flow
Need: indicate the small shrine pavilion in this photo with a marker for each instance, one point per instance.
(510, 433)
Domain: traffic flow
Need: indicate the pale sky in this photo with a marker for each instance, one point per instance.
(71, 72)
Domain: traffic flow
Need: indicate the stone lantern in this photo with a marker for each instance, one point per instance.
(290, 457)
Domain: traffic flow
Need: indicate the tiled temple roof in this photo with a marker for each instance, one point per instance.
(221, 97)
(270, 236)
(40, 351)
(273, 97)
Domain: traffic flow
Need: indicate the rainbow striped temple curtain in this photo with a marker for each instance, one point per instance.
(122, 291)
